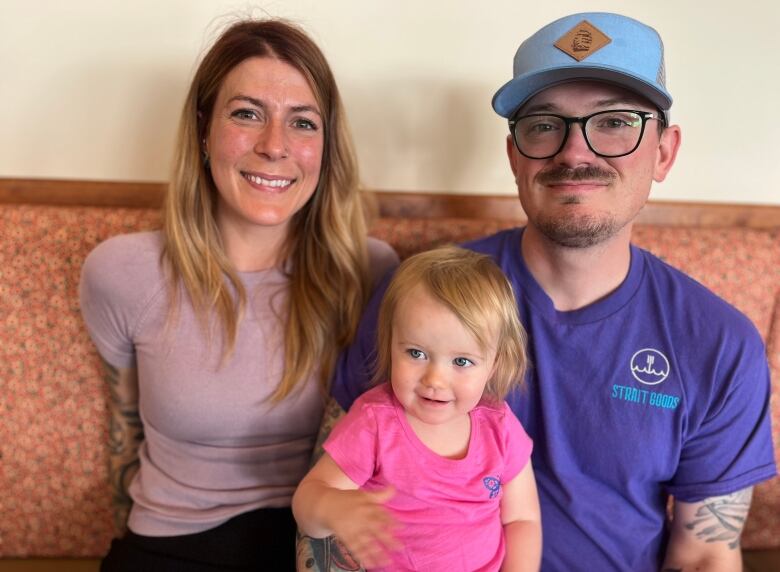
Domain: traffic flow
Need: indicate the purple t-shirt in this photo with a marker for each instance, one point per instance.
(449, 509)
(659, 388)
(214, 445)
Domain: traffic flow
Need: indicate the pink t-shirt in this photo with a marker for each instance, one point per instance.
(449, 509)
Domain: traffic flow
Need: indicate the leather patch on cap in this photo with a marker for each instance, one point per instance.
(582, 40)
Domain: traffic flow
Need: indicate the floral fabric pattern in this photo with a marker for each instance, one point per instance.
(53, 434)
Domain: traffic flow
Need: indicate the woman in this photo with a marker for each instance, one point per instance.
(220, 331)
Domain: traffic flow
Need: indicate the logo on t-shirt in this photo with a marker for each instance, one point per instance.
(649, 366)
(493, 484)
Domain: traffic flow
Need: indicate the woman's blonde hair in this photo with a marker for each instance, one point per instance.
(477, 292)
(326, 246)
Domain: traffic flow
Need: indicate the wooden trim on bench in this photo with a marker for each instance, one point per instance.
(82, 193)
(507, 207)
(388, 203)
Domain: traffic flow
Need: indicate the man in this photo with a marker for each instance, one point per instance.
(643, 383)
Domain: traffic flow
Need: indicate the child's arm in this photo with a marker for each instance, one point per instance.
(522, 523)
(328, 502)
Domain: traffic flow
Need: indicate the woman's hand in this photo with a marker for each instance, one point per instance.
(328, 502)
(363, 524)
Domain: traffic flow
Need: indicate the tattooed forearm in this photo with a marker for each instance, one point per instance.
(124, 437)
(721, 519)
(333, 412)
(324, 555)
(124, 421)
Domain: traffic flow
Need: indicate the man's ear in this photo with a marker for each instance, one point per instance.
(668, 145)
(511, 153)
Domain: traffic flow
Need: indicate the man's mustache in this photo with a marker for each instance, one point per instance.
(555, 175)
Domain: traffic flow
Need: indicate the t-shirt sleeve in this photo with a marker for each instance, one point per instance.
(382, 259)
(115, 281)
(518, 445)
(730, 448)
(353, 443)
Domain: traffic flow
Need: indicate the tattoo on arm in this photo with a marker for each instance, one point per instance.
(325, 554)
(721, 519)
(333, 412)
(125, 433)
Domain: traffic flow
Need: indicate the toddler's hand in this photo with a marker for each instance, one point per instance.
(364, 526)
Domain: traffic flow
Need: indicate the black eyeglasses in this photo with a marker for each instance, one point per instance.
(612, 133)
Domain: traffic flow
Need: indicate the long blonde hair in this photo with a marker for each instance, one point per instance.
(471, 286)
(326, 246)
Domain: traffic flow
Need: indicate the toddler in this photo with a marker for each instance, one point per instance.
(431, 470)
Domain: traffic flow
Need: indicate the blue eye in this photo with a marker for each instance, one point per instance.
(414, 353)
(539, 126)
(543, 127)
(618, 120)
(306, 124)
(244, 114)
(462, 362)
(615, 124)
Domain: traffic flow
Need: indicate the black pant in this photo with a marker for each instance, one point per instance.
(259, 540)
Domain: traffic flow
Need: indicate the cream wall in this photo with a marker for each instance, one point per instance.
(91, 89)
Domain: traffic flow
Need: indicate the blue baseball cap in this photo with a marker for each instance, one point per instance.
(588, 46)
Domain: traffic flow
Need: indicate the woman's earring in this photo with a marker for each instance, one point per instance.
(205, 155)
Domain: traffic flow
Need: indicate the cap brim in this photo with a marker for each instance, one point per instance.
(517, 91)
